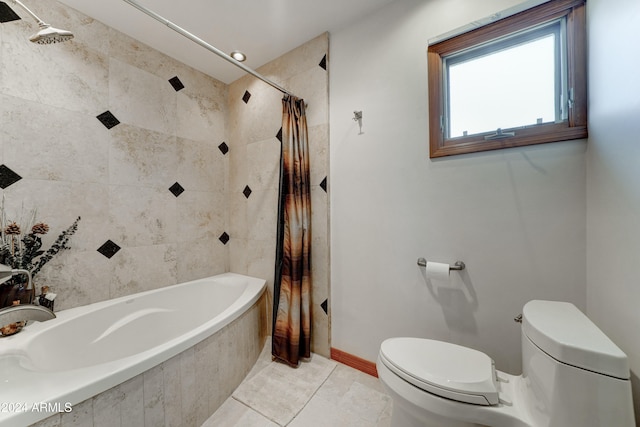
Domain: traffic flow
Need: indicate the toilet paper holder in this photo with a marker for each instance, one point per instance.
(459, 265)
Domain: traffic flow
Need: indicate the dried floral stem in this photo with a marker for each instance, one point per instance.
(58, 245)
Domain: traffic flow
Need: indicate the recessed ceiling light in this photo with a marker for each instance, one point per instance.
(238, 56)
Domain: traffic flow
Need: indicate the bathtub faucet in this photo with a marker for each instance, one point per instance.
(14, 318)
(22, 312)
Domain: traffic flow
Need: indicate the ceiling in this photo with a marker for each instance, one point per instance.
(262, 29)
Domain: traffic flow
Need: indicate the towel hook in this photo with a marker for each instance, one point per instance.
(357, 117)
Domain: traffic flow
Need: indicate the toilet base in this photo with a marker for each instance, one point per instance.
(400, 417)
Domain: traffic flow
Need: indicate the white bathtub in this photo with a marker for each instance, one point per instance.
(87, 350)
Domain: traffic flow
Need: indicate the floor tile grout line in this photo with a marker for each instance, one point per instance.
(333, 368)
(312, 395)
(256, 411)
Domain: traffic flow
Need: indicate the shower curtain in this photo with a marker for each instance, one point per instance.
(292, 282)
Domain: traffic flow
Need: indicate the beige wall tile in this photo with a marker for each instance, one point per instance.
(132, 406)
(153, 396)
(173, 412)
(201, 165)
(106, 408)
(142, 158)
(138, 97)
(57, 144)
(142, 268)
(81, 416)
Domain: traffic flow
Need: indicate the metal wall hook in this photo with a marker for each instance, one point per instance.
(357, 117)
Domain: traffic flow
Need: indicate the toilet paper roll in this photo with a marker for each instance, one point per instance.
(437, 271)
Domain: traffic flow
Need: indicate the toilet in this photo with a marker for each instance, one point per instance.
(572, 375)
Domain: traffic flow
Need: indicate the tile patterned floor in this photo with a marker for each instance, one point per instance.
(319, 393)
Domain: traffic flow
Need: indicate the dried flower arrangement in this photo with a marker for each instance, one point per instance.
(23, 250)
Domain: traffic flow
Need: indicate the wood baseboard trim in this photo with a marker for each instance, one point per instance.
(354, 362)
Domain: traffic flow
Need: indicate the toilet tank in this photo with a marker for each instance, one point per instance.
(573, 374)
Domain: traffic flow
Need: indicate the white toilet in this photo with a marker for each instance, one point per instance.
(573, 376)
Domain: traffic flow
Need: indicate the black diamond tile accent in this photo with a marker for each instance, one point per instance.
(176, 83)
(224, 148)
(108, 119)
(279, 135)
(323, 184)
(224, 238)
(176, 189)
(323, 63)
(7, 14)
(109, 249)
(8, 177)
(246, 191)
(324, 306)
(246, 97)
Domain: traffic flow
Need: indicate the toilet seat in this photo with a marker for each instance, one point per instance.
(443, 369)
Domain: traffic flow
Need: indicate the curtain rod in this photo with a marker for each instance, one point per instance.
(207, 46)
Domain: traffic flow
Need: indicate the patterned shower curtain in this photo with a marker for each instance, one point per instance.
(292, 283)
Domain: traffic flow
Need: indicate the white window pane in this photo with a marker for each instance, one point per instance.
(510, 88)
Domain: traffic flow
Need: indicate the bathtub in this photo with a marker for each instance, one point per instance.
(56, 367)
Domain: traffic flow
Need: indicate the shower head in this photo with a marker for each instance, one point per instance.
(47, 33)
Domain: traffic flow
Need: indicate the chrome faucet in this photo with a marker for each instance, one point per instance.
(22, 312)
(14, 318)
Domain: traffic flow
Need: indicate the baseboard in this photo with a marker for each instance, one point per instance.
(354, 362)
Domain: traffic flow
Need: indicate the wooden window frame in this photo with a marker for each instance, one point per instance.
(575, 127)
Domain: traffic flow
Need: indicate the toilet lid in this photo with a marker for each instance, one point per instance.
(444, 369)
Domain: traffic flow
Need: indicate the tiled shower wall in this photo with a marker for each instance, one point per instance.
(255, 120)
(149, 180)
(174, 174)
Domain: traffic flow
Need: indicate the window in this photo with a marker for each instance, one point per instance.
(518, 81)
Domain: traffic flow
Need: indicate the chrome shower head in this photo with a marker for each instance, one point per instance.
(47, 33)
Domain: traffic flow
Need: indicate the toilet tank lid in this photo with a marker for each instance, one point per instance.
(566, 334)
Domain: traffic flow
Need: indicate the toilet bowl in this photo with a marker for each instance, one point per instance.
(573, 375)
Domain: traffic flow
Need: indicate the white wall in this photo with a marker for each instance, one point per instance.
(516, 217)
(613, 171)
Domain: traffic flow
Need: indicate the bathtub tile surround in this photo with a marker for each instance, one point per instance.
(183, 391)
(326, 394)
(255, 120)
(101, 127)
